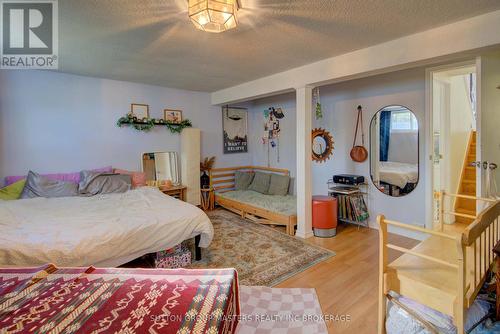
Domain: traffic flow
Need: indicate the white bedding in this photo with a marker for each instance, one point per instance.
(397, 173)
(103, 230)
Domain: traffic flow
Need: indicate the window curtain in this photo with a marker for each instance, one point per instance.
(385, 134)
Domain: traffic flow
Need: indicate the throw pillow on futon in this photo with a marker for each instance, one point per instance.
(12, 191)
(41, 186)
(243, 180)
(279, 185)
(260, 182)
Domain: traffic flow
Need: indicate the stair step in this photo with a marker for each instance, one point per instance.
(463, 220)
(466, 204)
(465, 211)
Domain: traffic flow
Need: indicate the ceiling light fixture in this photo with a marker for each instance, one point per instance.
(213, 15)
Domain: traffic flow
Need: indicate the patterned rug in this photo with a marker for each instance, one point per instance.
(280, 311)
(261, 255)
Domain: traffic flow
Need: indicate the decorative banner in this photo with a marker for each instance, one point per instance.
(234, 125)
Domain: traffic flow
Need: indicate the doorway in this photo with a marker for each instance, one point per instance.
(452, 145)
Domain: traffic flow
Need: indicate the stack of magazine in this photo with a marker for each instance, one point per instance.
(352, 207)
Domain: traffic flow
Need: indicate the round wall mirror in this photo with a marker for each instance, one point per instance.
(322, 145)
(394, 158)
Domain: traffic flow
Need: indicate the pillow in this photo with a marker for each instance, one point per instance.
(242, 180)
(93, 183)
(138, 178)
(260, 182)
(41, 186)
(279, 184)
(13, 191)
(68, 177)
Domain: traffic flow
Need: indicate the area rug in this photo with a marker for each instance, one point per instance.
(261, 254)
(280, 311)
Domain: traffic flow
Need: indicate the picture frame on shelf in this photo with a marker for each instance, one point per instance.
(172, 116)
(139, 110)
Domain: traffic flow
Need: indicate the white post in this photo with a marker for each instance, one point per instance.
(304, 177)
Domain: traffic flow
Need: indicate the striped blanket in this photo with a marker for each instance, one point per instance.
(48, 299)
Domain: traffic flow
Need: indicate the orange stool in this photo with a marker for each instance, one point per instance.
(324, 216)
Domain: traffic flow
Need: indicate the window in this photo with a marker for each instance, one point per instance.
(403, 121)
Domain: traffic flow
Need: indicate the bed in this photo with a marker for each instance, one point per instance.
(398, 174)
(258, 207)
(89, 300)
(103, 230)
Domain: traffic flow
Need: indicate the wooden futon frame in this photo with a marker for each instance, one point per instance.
(223, 180)
(445, 271)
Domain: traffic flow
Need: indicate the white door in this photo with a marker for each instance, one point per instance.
(451, 121)
(488, 124)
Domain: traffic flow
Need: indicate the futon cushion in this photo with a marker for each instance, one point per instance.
(242, 180)
(12, 191)
(93, 183)
(279, 184)
(260, 182)
(41, 186)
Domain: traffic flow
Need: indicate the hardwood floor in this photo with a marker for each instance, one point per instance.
(347, 284)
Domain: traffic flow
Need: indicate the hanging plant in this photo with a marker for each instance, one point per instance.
(146, 124)
(319, 112)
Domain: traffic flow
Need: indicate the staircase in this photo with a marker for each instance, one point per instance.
(467, 183)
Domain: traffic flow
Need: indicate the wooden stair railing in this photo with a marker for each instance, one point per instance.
(465, 256)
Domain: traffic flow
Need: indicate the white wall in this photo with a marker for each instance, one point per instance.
(490, 113)
(339, 103)
(285, 151)
(55, 122)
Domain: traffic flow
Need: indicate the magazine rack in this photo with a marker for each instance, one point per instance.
(352, 207)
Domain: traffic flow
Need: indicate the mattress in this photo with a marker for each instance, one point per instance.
(397, 173)
(89, 300)
(286, 205)
(104, 230)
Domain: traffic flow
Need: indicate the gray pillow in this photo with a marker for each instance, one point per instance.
(242, 180)
(93, 183)
(260, 182)
(41, 186)
(279, 184)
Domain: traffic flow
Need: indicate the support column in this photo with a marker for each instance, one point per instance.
(304, 161)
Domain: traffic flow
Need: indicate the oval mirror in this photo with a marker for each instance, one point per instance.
(322, 145)
(394, 158)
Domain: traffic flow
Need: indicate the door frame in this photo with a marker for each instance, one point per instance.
(429, 130)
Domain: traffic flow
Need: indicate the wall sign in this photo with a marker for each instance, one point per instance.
(235, 130)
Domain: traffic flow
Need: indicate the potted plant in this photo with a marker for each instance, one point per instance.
(205, 166)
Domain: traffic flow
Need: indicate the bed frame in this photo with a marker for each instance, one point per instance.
(446, 270)
(223, 180)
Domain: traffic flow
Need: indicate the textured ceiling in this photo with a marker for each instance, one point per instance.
(153, 41)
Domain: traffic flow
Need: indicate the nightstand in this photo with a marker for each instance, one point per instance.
(178, 192)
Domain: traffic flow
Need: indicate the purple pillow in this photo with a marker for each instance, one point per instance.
(67, 177)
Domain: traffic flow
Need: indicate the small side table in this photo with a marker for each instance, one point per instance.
(207, 199)
(178, 192)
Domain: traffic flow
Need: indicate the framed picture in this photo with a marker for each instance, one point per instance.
(172, 116)
(235, 131)
(139, 110)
